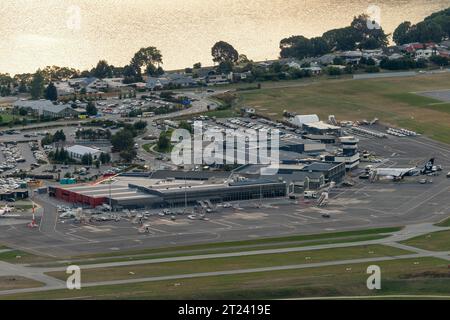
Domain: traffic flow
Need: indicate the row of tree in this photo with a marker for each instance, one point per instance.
(362, 35)
(433, 28)
(359, 35)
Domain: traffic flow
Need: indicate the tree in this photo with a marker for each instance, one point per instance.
(122, 140)
(131, 74)
(140, 125)
(225, 67)
(128, 155)
(242, 59)
(87, 159)
(400, 35)
(51, 93)
(224, 52)
(91, 109)
(102, 70)
(105, 158)
(149, 58)
(37, 85)
(435, 28)
(369, 37)
(440, 61)
(295, 47)
(197, 65)
(187, 126)
(59, 136)
(164, 141)
(333, 71)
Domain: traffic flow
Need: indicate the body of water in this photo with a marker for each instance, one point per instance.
(78, 33)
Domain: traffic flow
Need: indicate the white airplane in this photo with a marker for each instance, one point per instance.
(399, 173)
(5, 212)
(5, 209)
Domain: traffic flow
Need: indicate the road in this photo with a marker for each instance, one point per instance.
(50, 283)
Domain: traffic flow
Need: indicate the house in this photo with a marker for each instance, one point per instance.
(77, 152)
(424, 53)
(375, 53)
(294, 65)
(326, 59)
(174, 79)
(351, 56)
(94, 85)
(63, 88)
(114, 83)
(60, 111)
(314, 70)
(218, 79)
(241, 76)
(45, 108)
(445, 44)
(395, 56)
(154, 83)
(90, 84)
(444, 53)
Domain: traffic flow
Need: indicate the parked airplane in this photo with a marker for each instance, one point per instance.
(399, 173)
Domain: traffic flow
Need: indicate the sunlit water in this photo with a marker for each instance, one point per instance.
(36, 33)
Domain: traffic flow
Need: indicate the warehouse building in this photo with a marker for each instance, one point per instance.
(77, 152)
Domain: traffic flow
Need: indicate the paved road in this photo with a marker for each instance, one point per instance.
(37, 273)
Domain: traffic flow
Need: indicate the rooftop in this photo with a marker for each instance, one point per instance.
(77, 149)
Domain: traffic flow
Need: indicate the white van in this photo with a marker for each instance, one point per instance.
(310, 194)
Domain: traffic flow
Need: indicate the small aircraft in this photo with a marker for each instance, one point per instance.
(6, 212)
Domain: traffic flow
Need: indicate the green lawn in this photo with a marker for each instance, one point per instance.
(444, 223)
(17, 256)
(436, 241)
(147, 147)
(391, 100)
(6, 117)
(16, 282)
(409, 276)
(232, 263)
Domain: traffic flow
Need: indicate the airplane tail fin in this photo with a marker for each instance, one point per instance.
(429, 166)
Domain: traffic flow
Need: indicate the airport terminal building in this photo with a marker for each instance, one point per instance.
(165, 191)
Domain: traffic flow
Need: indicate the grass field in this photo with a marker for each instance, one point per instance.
(15, 282)
(232, 263)
(17, 256)
(436, 241)
(444, 223)
(147, 147)
(6, 117)
(410, 276)
(391, 100)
